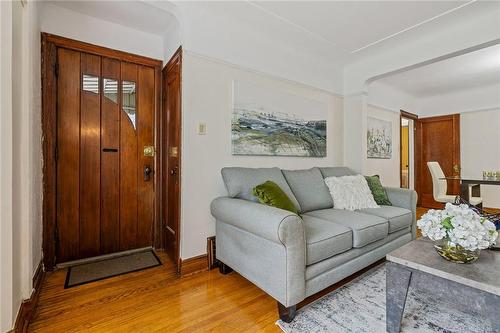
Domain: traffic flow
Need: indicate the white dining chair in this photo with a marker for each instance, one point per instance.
(440, 186)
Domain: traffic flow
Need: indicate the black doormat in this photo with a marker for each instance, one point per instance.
(103, 269)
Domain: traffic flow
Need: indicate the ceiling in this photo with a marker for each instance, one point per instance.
(337, 32)
(138, 15)
(472, 70)
(353, 26)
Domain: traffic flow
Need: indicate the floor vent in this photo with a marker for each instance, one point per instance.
(212, 259)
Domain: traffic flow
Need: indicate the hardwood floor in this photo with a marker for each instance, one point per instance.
(156, 300)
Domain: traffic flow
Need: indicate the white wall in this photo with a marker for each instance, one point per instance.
(67, 23)
(355, 110)
(21, 171)
(7, 311)
(386, 102)
(172, 40)
(207, 97)
(390, 98)
(383, 102)
(480, 149)
(387, 169)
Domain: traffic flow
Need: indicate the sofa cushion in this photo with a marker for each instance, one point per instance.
(325, 239)
(241, 181)
(399, 218)
(378, 191)
(336, 172)
(309, 188)
(350, 192)
(365, 228)
(272, 195)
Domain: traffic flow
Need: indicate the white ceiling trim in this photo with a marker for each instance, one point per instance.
(414, 26)
(325, 40)
(261, 73)
(298, 26)
(383, 108)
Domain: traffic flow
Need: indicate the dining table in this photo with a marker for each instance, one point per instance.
(466, 182)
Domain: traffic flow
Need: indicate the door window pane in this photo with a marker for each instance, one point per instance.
(111, 89)
(128, 100)
(91, 83)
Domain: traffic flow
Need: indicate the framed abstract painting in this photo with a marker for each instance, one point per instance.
(268, 121)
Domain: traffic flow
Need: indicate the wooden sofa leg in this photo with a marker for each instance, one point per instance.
(287, 313)
(224, 269)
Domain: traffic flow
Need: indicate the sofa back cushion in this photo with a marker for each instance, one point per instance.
(336, 172)
(309, 188)
(240, 182)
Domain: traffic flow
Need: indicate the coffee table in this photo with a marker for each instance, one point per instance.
(471, 287)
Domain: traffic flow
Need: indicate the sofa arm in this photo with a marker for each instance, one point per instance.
(404, 198)
(268, 222)
(264, 244)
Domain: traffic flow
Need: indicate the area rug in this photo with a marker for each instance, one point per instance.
(359, 307)
(103, 269)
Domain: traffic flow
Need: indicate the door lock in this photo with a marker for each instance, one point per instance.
(147, 172)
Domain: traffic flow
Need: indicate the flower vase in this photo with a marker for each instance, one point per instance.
(455, 253)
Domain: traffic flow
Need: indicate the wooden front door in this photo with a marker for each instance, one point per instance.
(438, 139)
(171, 92)
(104, 155)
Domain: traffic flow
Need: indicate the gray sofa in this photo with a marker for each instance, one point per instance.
(292, 257)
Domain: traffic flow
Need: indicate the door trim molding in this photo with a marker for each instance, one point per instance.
(176, 58)
(414, 117)
(50, 43)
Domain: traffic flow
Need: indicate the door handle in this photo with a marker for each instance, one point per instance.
(147, 173)
(173, 171)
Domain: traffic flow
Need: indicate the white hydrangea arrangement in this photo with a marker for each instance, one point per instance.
(459, 225)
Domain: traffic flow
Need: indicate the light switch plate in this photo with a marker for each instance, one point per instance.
(202, 128)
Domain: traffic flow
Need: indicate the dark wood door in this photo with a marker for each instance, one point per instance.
(438, 139)
(105, 132)
(171, 77)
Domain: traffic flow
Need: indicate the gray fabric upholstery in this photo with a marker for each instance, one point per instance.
(365, 228)
(290, 257)
(404, 198)
(325, 239)
(264, 244)
(399, 218)
(335, 261)
(264, 221)
(336, 172)
(338, 273)
(309, 188)
(241, 181)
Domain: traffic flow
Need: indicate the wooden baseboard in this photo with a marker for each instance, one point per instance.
(193, 265)
(27, 308)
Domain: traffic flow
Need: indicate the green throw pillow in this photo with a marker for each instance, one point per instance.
(269, 193)
(378, 191)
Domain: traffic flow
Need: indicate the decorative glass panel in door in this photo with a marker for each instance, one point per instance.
(111, 89)
(128, 100)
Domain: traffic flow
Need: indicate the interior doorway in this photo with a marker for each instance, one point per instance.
(407, 149)
(438, 139)
(100, 135)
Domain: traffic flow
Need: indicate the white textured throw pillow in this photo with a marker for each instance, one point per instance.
(350, 192)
